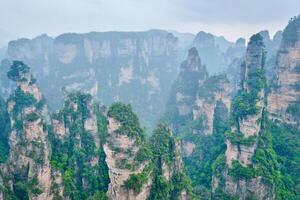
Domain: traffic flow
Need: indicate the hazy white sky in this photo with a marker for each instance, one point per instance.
(231, 18)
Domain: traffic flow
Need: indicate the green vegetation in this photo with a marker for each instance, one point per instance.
(164, 153)
(187, 82)
(144, 153)
(160, 189)
(207, 148)
(290, 33)
(219, 165)
(17, 69)
(22, 100)
(245, 102)
(276, 159)
(238, 138)
(137, 181)
(286, 144)
(73, 154)
(101, 124)
(24, 189)
(205, 160)
(4, 129)
(32, 117)
(186, 86)
(163, 189)
(130, 125)
(294, 109)
(163, 144)
(180, 182)
(240, 172)
(99, 195)
(264, 162)
(256, 39)
(221, 195)
(269, 159)
(212, 85)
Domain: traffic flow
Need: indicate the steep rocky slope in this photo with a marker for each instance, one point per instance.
(197, 112)
(227, 144)
(284, 106)
(203, 134)
(259, 161)
(184, 90)
(248, 110)
(139, 170)
(78, 159)
(4, 146)
(216, 52)
(194, 96)
(169, 179)
(217, 147)
(28, 170)
(4, 129)
(285, 96)
(236, 56)
(128, 156)
(233, 148)
(132, 67)
(82, 151)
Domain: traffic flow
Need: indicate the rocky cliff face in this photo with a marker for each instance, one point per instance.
(28, 172)
(203, 134)
(61, 158)
(192, 110)
(216, 52)
(77, 141)
(126, 155)
(4, 130)
(285, 95)
(239, 179)
(4, 146)
(236, 56)
(169, 179)
(34, 52)
(214, 89)
(195, 95)
(184, 91)
(132, 67)
(138, 170)
(82, 151)
(272, 46)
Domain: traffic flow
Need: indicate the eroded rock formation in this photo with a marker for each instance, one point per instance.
(132, 67)
(28, 165)
(239, 177)
(124, 147)
(283, 102)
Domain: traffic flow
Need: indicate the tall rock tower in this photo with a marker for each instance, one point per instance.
(238, 174)
(283, 102)
(184, 90)
(29, 158)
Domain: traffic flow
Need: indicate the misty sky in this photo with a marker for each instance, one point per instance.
(231, 18)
